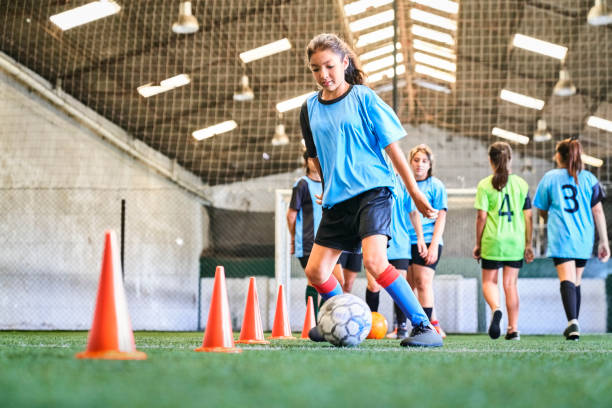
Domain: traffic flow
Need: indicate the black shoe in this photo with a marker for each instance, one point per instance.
(315, 335)
(494, 329)
(423, 336)
(402, 331)
(572, 332)
(513, 336)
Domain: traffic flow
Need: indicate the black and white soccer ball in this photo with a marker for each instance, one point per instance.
(345, 320)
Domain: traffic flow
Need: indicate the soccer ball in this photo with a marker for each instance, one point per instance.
(379, 326)
(345, 320)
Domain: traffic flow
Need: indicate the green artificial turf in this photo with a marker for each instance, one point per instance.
(38, 369)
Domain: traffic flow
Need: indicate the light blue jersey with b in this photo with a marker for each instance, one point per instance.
(571, 230)
(399, 245)
(350, 134)
(435, 192)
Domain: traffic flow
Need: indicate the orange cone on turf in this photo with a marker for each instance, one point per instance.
(252, 329)
(281, 328)
(218, 336)
(111, 336)
(309, 320)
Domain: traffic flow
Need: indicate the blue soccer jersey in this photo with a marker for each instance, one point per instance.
(399, 245)
(435, 192)
(571, 229)
(303, 200)
(348, 135)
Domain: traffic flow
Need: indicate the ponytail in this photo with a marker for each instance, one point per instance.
(353, 74)
(570, 151)
(500, 154)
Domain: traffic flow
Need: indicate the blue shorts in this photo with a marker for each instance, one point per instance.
(350, 261)
(418, 259)
(580, 263)
(347, 223)
(489, 264)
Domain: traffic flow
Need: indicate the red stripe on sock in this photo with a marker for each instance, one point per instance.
(328, 285)
(388, 276)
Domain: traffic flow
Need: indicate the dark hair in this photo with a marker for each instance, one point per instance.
(500, 154)
(423, 148)
(570, 151)
(353, 74)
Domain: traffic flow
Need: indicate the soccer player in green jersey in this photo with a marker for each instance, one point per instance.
(503, 235)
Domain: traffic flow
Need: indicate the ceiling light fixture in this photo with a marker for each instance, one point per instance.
(600, 123)
(540, 47)
(85, 14)
(245, 94)
(591, 161)
(217, 129)
(280, 136)
(564, 87)
(435, 62)
(450, 7)
(434, 73)
(358, 7)
(164, 86)
(433, 19)
(292, 103)
(433, 49)
(600, 14)
(541, 134)
(522, 100)
(387, 49)
(506, 134)
(371, 21)
(434, 35)
(375, 36)
(265, 50)
(186, 23)
(382, 63)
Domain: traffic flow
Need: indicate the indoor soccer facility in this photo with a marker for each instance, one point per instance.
(148, 154)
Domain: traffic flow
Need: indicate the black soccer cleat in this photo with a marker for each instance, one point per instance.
(423, 336)
(315, 335)
(513, 336)
(494, 329)
(572, 332)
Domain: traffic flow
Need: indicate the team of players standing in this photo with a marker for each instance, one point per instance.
(568, 198)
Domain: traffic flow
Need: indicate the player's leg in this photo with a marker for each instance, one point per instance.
(375, 261)
(352, 266)
(580, 264)
(310, 290)
(319, 271)
(566, 270)
(372, 295)
(349, 280)
(490, 292)
(423, 281)
(512, 301)
(338, 272)
(401, 326)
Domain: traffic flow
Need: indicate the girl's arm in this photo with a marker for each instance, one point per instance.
(432, 252)
(317, 163)
(603, 248)
(528, 234)
(291, 217)
(481, 220)
(401, 166)
(415, 219)
(543, 214)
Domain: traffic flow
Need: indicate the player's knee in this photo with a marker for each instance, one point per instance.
(421, 283)
(313, 273)
(373, 286)
(375, 264)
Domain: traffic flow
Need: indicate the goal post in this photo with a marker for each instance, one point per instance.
(282, 244)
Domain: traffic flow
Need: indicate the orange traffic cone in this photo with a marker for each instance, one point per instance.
(281, 328)
(111, 336)
(309, 320)
(252, 329)
(218, 336)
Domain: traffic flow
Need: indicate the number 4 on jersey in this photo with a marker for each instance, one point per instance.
(506, 202)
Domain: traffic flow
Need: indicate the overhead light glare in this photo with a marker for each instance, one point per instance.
(540, 47)
(433, 19)
(382, 63)
(358, 7)
(522, 100)
(431, 86)
(438, 36)
(435, 62)
(217, 129)
(446, 6)
(564, 87)
(375, 36)
(265, 50)
(434, 73)
(387, 49)
(164, 86)
(600, 123)
(387, 73)
(371, 21)
(541, 134)
(599, 14)
(506, 134)
(591, 161)
(84, 14)
(433, 49)
(292, 103)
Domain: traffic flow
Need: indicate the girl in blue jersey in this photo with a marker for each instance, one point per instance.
(569, 199)
(423, 265)
(347, 129)
(303, 217)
